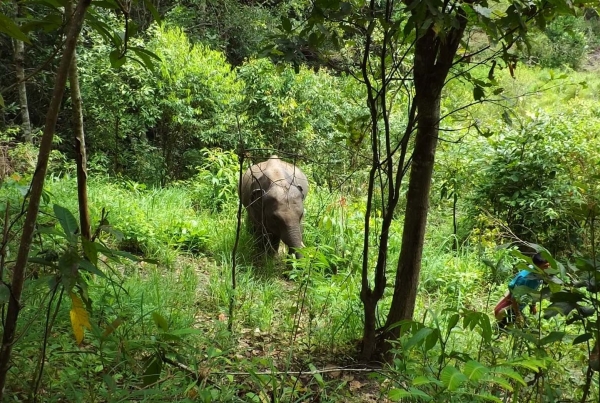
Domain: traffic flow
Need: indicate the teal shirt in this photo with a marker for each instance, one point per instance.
(527, 279)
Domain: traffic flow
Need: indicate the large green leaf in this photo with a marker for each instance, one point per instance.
(9, 27)
(475, 370)
(160, 321)
(452, 377)
(67, 221)
(533, 364)
(508, 372)
(552, 338)
(418, 337)
(152, 370)
(411, 393)
(582, 338)
(89, 267)
(498, 380)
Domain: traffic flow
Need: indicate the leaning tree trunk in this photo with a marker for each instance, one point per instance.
(37, 186)
(20, 73)
(80, 154)
(433, 58)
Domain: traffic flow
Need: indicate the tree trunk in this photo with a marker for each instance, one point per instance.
(417, 206)
(80, 154)
(20, 73)
(37, 186)
(433, 58)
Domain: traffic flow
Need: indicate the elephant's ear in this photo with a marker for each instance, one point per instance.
(256, 194)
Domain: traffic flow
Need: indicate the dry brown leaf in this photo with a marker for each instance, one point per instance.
(355, 385)
(333, 374)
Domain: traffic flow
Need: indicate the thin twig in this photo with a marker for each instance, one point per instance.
(298, 373)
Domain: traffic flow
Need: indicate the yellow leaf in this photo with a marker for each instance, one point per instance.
(79, 318)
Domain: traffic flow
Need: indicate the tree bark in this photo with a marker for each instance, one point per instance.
(22, 88)
(433, 59)
(80, 153)
(37, 186)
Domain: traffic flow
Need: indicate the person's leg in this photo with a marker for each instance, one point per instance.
(502, 306)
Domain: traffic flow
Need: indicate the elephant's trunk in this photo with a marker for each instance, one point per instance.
(292, 237)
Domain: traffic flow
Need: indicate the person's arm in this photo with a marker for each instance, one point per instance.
(518, 314)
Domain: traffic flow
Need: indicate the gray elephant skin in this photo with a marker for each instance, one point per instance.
(273, 193)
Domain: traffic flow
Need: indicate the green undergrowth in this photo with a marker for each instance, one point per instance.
(147, 318)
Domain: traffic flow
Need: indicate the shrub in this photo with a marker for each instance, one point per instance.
(564, 43)
(525, 182)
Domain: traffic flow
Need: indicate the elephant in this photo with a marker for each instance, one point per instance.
(273, 194)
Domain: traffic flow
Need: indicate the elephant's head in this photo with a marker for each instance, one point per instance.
(283, 208)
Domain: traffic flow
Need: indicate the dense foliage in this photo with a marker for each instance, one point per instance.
(140, 311)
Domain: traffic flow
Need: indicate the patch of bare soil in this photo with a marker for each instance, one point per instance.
(592, 62)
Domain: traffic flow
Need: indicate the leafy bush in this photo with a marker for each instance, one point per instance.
(564, 42)
(526, 180)
(215, 185)
(148, 121)
(299, 114)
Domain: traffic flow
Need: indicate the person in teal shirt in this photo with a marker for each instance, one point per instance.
(509, 309)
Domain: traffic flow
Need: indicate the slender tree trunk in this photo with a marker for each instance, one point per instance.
(433, 59)
(20, 73)
(417, 207)
(80, 154)
(37, 186)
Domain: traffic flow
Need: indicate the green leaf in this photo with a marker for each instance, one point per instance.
(39, 260)
(565, 296)
(146, 57)
(1, 101)
(582, 338)
(556, 308)
(186, 331)
(49, 231)
(110, 382)
(452, 377)
(411, 393)
(509, 373)
(153, 11)
(152, 370)
(498, 381)
(90, 251)
(9, 27)
(67, 221)
(529, 363)
(552, 338)
(486, 327)
(286, 24)
(160, 321)
(432, 339)
(506, 118)
(89, 267)
(116, 60)
(418, 337)
(475, 370)
(478, 93)
(316, 375)
(452, 323)
(425, 380)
